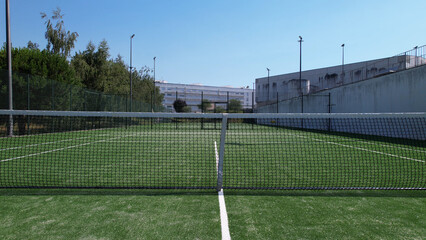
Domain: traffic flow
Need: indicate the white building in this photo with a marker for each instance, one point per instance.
(194, 93)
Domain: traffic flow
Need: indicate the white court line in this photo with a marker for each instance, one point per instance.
(149, 141)
(279, 142)
(374, 143)
(41, 134)
(223, 214)
(363, 149)
(45, 143)
(60, 149)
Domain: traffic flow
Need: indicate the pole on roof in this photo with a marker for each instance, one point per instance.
(343, 60)
(300, 64)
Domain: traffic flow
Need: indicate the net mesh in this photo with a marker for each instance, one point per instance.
(260, 151)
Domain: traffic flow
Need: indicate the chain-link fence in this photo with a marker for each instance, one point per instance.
(37, 93)
(211, 101)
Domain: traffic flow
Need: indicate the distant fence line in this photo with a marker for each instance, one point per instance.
(218, 103)
(37, 93)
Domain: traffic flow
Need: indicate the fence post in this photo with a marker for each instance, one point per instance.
(202, 109)
(85, 100)
(329, 110)
(252, 108)
(221, 152)
(175, 109)
(252, 102)
(227, 101)
(28, 92)
(302, 108)
(415, 57)
(70, 98)
(28, 102)
(53, 95)
(277, 102)
(70, 118)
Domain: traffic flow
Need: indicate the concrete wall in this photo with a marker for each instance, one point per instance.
(330, 77)
(403, 91)
(398, 92)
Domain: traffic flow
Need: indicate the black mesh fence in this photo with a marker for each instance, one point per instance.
(37, 93)
(231, 151)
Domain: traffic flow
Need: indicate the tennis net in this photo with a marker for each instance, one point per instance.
(52, 149)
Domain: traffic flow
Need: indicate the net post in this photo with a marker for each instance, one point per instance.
(221, 152)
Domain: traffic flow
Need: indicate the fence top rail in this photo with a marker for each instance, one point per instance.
(212, 115)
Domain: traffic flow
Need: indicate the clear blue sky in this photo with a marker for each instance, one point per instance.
(229, 42)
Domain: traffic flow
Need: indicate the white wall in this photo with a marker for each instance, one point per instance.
(403, 91)
(399, 92)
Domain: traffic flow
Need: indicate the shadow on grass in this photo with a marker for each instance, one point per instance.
(163, 192)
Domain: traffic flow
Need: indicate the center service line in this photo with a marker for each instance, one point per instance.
(223, 214)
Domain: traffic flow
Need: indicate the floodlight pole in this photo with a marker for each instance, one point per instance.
(9, 66)
(152, 108)
(131, 71)
(300, 63)
(343, 58)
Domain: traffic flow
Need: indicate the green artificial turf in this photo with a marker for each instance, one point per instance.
(108, 214)
(194, 214)
(327, 215)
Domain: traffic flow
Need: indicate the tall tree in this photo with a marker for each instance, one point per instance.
(92, 65)
(32, 46)
(59, 41)
(100, 73)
